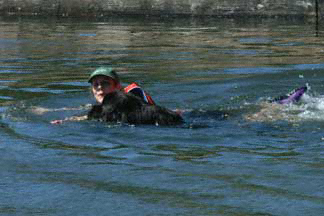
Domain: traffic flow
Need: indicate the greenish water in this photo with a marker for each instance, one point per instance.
(261, 159)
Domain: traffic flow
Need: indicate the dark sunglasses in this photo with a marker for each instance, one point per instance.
(103, 84)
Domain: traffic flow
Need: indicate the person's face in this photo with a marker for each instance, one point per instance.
(101, 86)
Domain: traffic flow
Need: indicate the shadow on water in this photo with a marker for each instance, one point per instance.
(219, 163)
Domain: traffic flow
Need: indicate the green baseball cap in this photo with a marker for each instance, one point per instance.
(104, 71)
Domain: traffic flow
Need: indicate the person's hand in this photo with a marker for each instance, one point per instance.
(57, 122)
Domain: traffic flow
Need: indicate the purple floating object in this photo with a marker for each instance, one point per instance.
(292, 97)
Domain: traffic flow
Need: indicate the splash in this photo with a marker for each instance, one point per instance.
(312, 108)
(309, 108)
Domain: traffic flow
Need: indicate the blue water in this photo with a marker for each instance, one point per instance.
(235, 155)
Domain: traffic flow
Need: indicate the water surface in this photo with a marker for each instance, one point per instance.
(258, 159)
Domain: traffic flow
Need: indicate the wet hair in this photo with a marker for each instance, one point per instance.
(128, 108)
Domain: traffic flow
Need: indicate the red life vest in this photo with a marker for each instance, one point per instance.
(135, 89)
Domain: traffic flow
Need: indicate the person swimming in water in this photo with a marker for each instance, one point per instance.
(105, 80)
(130, 105)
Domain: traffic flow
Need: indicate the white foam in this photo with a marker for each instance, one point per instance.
(310, 107)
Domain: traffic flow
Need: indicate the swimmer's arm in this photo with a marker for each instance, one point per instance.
(72, 118)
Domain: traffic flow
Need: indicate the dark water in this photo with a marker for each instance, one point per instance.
(259, 159)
